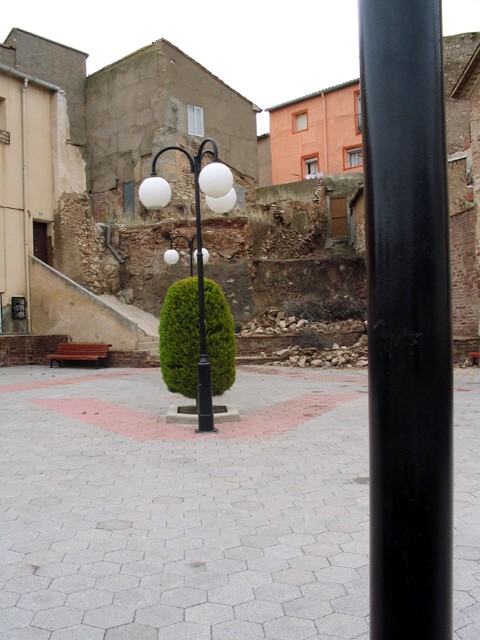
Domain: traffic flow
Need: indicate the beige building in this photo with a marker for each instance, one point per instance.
(156, 97)
(37, 164)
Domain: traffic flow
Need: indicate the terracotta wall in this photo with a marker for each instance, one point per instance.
(331, 129)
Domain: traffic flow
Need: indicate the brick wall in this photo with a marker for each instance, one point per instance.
(463, 251)
(17, 350)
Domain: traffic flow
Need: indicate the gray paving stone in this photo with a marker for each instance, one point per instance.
(258, 611)
(78, 632)
(39, 600)
(231, 595)
(27, 633)
(290, 628)
(9, 599)
(185, 631)
(117, 582)
(58, 618)
(184, 597)
(109, 616)
(89, 599)
(132, 631)
(351, 605)
(137, 598)
(342, 626)
(237, 630)
(26, 584)
(209, 613)
(294, 576)
(160, 615)
(206, 580)
(310, 608)
(277, 592)
(13, 617)
(71, 584)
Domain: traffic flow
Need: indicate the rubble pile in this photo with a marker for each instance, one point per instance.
(321, 342)
(335, 356)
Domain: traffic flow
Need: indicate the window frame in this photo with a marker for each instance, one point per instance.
(304, 162)
(357, 107)
(192, 128)
(348, 152)
(303, 112)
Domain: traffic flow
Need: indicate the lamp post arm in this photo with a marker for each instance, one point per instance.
(172, 148)
(202, 151)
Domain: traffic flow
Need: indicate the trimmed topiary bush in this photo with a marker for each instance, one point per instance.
(180, 339)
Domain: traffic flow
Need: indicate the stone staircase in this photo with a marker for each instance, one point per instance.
(146, 353)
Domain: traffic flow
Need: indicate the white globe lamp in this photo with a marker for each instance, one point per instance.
(223, 204)
(171, 256)
(205, 256)
(154, 193)
(215, 179)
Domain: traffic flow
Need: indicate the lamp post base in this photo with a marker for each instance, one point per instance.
(205, 403)
(212, 430)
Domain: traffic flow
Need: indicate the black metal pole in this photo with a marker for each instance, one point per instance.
(410, 360)
(205, 404)
(190, 242)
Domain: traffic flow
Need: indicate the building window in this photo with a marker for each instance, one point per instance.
(353, 157)
(358, 112)
(310, 167)
(195, 121)
(300, 122)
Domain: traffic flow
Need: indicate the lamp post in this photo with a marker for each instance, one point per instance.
(171, 256)
(215, 180)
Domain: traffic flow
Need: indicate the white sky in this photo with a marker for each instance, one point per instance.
(268, 50)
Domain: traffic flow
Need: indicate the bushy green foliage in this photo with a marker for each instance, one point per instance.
(180, 339)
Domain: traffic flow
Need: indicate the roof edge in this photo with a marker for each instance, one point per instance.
(336, 87)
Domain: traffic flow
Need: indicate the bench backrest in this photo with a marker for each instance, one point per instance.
(75, 348)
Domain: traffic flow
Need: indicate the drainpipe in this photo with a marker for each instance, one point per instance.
(108, 243)
(26, 216)
(325, 131)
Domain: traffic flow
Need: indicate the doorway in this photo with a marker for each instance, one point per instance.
(40, 241)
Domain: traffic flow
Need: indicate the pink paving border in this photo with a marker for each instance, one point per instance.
(265, 423)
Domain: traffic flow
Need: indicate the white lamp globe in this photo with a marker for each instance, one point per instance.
(154, 193)
(171, 256)
(215, 180)
(205, 256)
(223, 204)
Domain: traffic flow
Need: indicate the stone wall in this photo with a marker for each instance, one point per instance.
(457, 51)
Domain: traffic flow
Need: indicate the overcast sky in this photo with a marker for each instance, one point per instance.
(267, 50)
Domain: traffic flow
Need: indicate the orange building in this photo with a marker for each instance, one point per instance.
(317, 134)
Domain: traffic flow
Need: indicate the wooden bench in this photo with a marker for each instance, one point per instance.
(80, 352)
(474, 358)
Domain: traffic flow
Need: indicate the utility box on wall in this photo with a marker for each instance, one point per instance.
(18, 308)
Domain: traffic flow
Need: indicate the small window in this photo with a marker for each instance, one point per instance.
(300, 121)
(354, 158)
(311, 168)
(358, 112)
(195, 121)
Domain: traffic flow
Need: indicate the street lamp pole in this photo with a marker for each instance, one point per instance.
(190, 242)
(216, 181)
(171, 256)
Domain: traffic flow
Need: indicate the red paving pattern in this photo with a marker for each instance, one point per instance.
(265, 423)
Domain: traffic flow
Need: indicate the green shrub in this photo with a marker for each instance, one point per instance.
(180, 339)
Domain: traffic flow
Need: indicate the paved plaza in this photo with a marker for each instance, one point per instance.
(116, 525)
